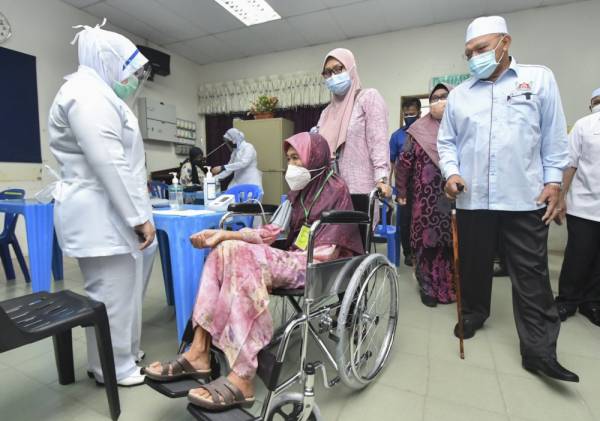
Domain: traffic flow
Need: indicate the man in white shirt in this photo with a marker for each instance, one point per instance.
(579, 282)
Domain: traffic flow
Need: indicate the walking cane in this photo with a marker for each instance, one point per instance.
(456, 275)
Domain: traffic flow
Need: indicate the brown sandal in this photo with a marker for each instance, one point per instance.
(180, 369)
(224, 395)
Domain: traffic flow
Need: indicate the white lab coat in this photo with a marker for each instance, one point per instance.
(100, 197)
(243, 164)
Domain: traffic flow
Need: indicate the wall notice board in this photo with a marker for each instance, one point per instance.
(19, 116)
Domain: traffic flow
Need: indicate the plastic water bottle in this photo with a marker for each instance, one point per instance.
(175, 193)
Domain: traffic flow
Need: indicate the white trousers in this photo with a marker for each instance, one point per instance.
(120, 282)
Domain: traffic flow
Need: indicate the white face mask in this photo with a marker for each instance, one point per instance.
(297, 177)
(596, 109)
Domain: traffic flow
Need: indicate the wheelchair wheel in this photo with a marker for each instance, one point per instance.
(367, 321)
(288, 407)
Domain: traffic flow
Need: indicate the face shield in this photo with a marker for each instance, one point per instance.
(133, 76)
(140, 77)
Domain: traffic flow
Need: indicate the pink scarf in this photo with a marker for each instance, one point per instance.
(336, 117)
(425, 130)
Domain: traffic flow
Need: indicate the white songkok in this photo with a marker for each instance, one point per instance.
(596, 93)
(486, 25)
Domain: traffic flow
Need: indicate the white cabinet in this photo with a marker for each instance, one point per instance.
(157, 120)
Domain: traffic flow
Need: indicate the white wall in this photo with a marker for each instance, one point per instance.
(42, 28)
(564, 38)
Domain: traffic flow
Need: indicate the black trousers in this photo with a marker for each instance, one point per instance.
(579, 282)
(525, 242)
(403, 222)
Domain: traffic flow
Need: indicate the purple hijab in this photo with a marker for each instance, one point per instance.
(425, 130)
(314, 153)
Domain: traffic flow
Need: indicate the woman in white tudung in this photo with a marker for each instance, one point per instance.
(243, 161)
(102, 213)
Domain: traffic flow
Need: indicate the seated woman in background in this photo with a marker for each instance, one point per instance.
(232, 305)
(192, 169)
(430, 226)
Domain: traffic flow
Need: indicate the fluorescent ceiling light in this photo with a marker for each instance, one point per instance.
(250, 12)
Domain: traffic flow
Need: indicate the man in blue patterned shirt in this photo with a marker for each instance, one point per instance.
(504, 138)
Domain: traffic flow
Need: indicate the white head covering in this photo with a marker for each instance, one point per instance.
(596, 93)
(486, 25)
(111, 55)
(234, 135)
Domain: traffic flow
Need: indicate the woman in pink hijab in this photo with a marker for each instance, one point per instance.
(430, 237)
(355, 126)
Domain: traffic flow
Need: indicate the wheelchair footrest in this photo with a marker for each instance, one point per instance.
(236, 414)
(177, 389)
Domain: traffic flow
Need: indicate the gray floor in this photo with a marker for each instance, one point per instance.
(425, 379)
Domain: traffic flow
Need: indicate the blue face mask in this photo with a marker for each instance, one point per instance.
(408, 120)
(339, 84)
(483, 65)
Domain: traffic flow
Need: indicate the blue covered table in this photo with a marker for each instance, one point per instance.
(186, 262)
(39, 226)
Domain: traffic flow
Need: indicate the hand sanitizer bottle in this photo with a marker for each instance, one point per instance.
(210, 187)
(175, 193)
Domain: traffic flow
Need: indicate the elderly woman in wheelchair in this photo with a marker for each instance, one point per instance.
(232, 305)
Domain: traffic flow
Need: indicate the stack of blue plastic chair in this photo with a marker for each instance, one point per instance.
(390, 234)
(158, 189)
(244, 193)
(9, 238)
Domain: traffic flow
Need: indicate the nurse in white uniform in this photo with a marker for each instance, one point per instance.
(102, 214)
(243, 161)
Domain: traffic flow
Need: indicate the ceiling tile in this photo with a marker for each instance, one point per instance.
(81, 3)
(360, 19)
(157, 16)
(400, 15)
(555, 2)
(337, 3)
(448, 11)
(317, 28)
(287, 8)
(505, 6)
(185, 49)
(247, 40)
(205, 14)
(128, 23)
(216, 48)
(280, 35)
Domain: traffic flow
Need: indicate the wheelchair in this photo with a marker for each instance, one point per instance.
(350, 302)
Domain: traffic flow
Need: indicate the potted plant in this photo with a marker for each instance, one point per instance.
(263, 107)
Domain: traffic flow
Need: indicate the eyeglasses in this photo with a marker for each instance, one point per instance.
(335, 70)
(481, 49)
(437, 98)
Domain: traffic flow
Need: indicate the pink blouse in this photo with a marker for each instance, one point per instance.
(366, 152)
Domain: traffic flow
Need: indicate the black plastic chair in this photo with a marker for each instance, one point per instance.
(34, 317)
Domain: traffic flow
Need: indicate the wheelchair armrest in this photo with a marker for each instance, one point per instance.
(344, 217)
(251, 208)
